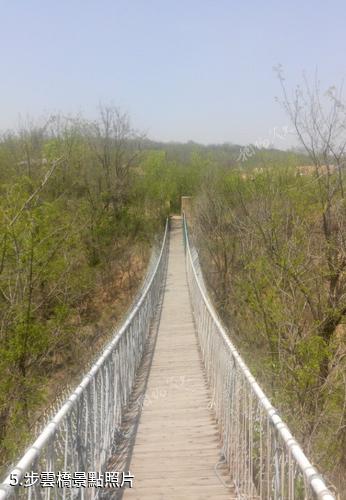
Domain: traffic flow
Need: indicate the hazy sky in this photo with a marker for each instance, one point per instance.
(184, 69)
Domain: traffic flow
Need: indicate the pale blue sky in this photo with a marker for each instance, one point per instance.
(192, 69)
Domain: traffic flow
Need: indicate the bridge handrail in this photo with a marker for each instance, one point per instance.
(82, 433)
(264, 458)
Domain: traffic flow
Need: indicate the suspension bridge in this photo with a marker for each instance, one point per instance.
(171, 404)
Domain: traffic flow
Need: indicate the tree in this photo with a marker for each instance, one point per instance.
(116, 146)
(267, 262)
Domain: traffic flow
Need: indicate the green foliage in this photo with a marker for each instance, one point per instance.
(274, 251)
(64, 220)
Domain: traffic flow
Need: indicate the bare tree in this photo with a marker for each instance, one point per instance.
(116, 146)
(320, 123)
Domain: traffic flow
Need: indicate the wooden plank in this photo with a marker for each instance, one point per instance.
(176, 452)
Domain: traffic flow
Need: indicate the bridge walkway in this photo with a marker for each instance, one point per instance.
(176, 454)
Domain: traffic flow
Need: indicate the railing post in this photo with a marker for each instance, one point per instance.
(186, 205)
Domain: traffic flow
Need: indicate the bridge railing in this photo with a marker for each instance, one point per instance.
(264, 459)
(83, 433)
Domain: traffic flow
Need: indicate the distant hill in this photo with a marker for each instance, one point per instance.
(227, 154)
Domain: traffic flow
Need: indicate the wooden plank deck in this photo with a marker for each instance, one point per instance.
(176, 454)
